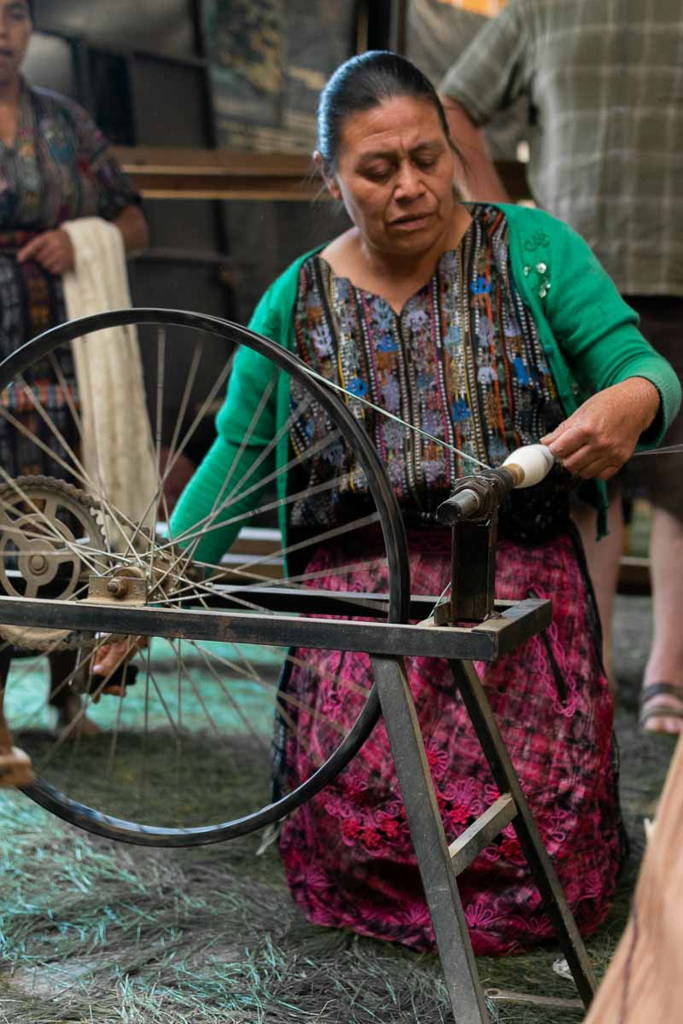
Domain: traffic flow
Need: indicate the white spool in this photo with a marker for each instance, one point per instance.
(534, 460)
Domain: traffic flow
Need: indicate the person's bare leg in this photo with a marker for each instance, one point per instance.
(603, 557)
(63, 699)
(665, 664)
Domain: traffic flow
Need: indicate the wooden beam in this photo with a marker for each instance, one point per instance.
(179, 173)
(175, 173)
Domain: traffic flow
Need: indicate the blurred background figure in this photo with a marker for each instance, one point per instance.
(55, 167)
(438, 32)
(644, 983)
(603, 82)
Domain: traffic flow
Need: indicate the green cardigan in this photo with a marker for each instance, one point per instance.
(589, 335)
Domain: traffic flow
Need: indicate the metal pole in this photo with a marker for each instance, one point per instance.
(399, 25)
(542, 869)
(429, 841)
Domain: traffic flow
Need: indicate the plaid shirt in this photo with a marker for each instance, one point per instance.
(437, 34)
(604, 80)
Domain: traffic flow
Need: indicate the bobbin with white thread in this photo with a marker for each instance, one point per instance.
(529, 465)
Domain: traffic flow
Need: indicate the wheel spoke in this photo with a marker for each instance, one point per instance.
(204, 655)
(224, 498)
(184, 401)
(116, 728)
(270, 506)
(320, 538)
(67, 392)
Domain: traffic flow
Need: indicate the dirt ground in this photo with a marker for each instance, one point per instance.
(92, 931)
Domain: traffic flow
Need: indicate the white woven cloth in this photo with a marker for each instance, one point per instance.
(118, 451)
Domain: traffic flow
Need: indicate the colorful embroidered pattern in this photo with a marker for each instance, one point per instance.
(462, 361)
(59, 168)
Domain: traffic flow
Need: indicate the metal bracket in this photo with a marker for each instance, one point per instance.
(473, 570)
(120, 586)
(472, 511)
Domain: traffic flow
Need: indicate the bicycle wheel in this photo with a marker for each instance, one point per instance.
(169, 762)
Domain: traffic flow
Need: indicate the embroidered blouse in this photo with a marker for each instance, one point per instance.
(461, 362)
(59, 167)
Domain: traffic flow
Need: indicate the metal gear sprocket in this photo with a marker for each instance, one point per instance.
(50, 531)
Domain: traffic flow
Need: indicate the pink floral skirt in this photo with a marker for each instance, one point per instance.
(348, 854)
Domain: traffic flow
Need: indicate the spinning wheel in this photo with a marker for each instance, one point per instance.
(197, 710)
(194, 718)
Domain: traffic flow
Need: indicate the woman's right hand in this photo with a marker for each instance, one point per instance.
(597, 439)
(52, 249)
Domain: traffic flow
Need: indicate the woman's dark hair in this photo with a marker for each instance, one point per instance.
(363, 82)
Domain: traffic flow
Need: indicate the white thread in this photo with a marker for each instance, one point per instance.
(397, 419)
(671, 449)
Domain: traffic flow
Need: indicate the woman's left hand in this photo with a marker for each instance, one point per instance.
(52, 249)
(111, 656)
(597, 439)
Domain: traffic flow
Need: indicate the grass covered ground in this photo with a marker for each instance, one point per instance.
(92, 931)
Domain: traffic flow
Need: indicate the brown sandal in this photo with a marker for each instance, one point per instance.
(652, 708)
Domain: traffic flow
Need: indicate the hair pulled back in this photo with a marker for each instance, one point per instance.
(363, 82)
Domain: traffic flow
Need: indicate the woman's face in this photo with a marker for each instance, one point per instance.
(395, 175)
(15, 32)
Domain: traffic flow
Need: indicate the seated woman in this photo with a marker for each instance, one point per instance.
(500, 318)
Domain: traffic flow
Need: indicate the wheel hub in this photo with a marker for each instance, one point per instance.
(38, 565)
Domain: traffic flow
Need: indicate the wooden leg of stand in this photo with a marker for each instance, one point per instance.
(429, 840)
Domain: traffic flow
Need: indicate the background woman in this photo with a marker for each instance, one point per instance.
(55, 166)
(479, 324)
